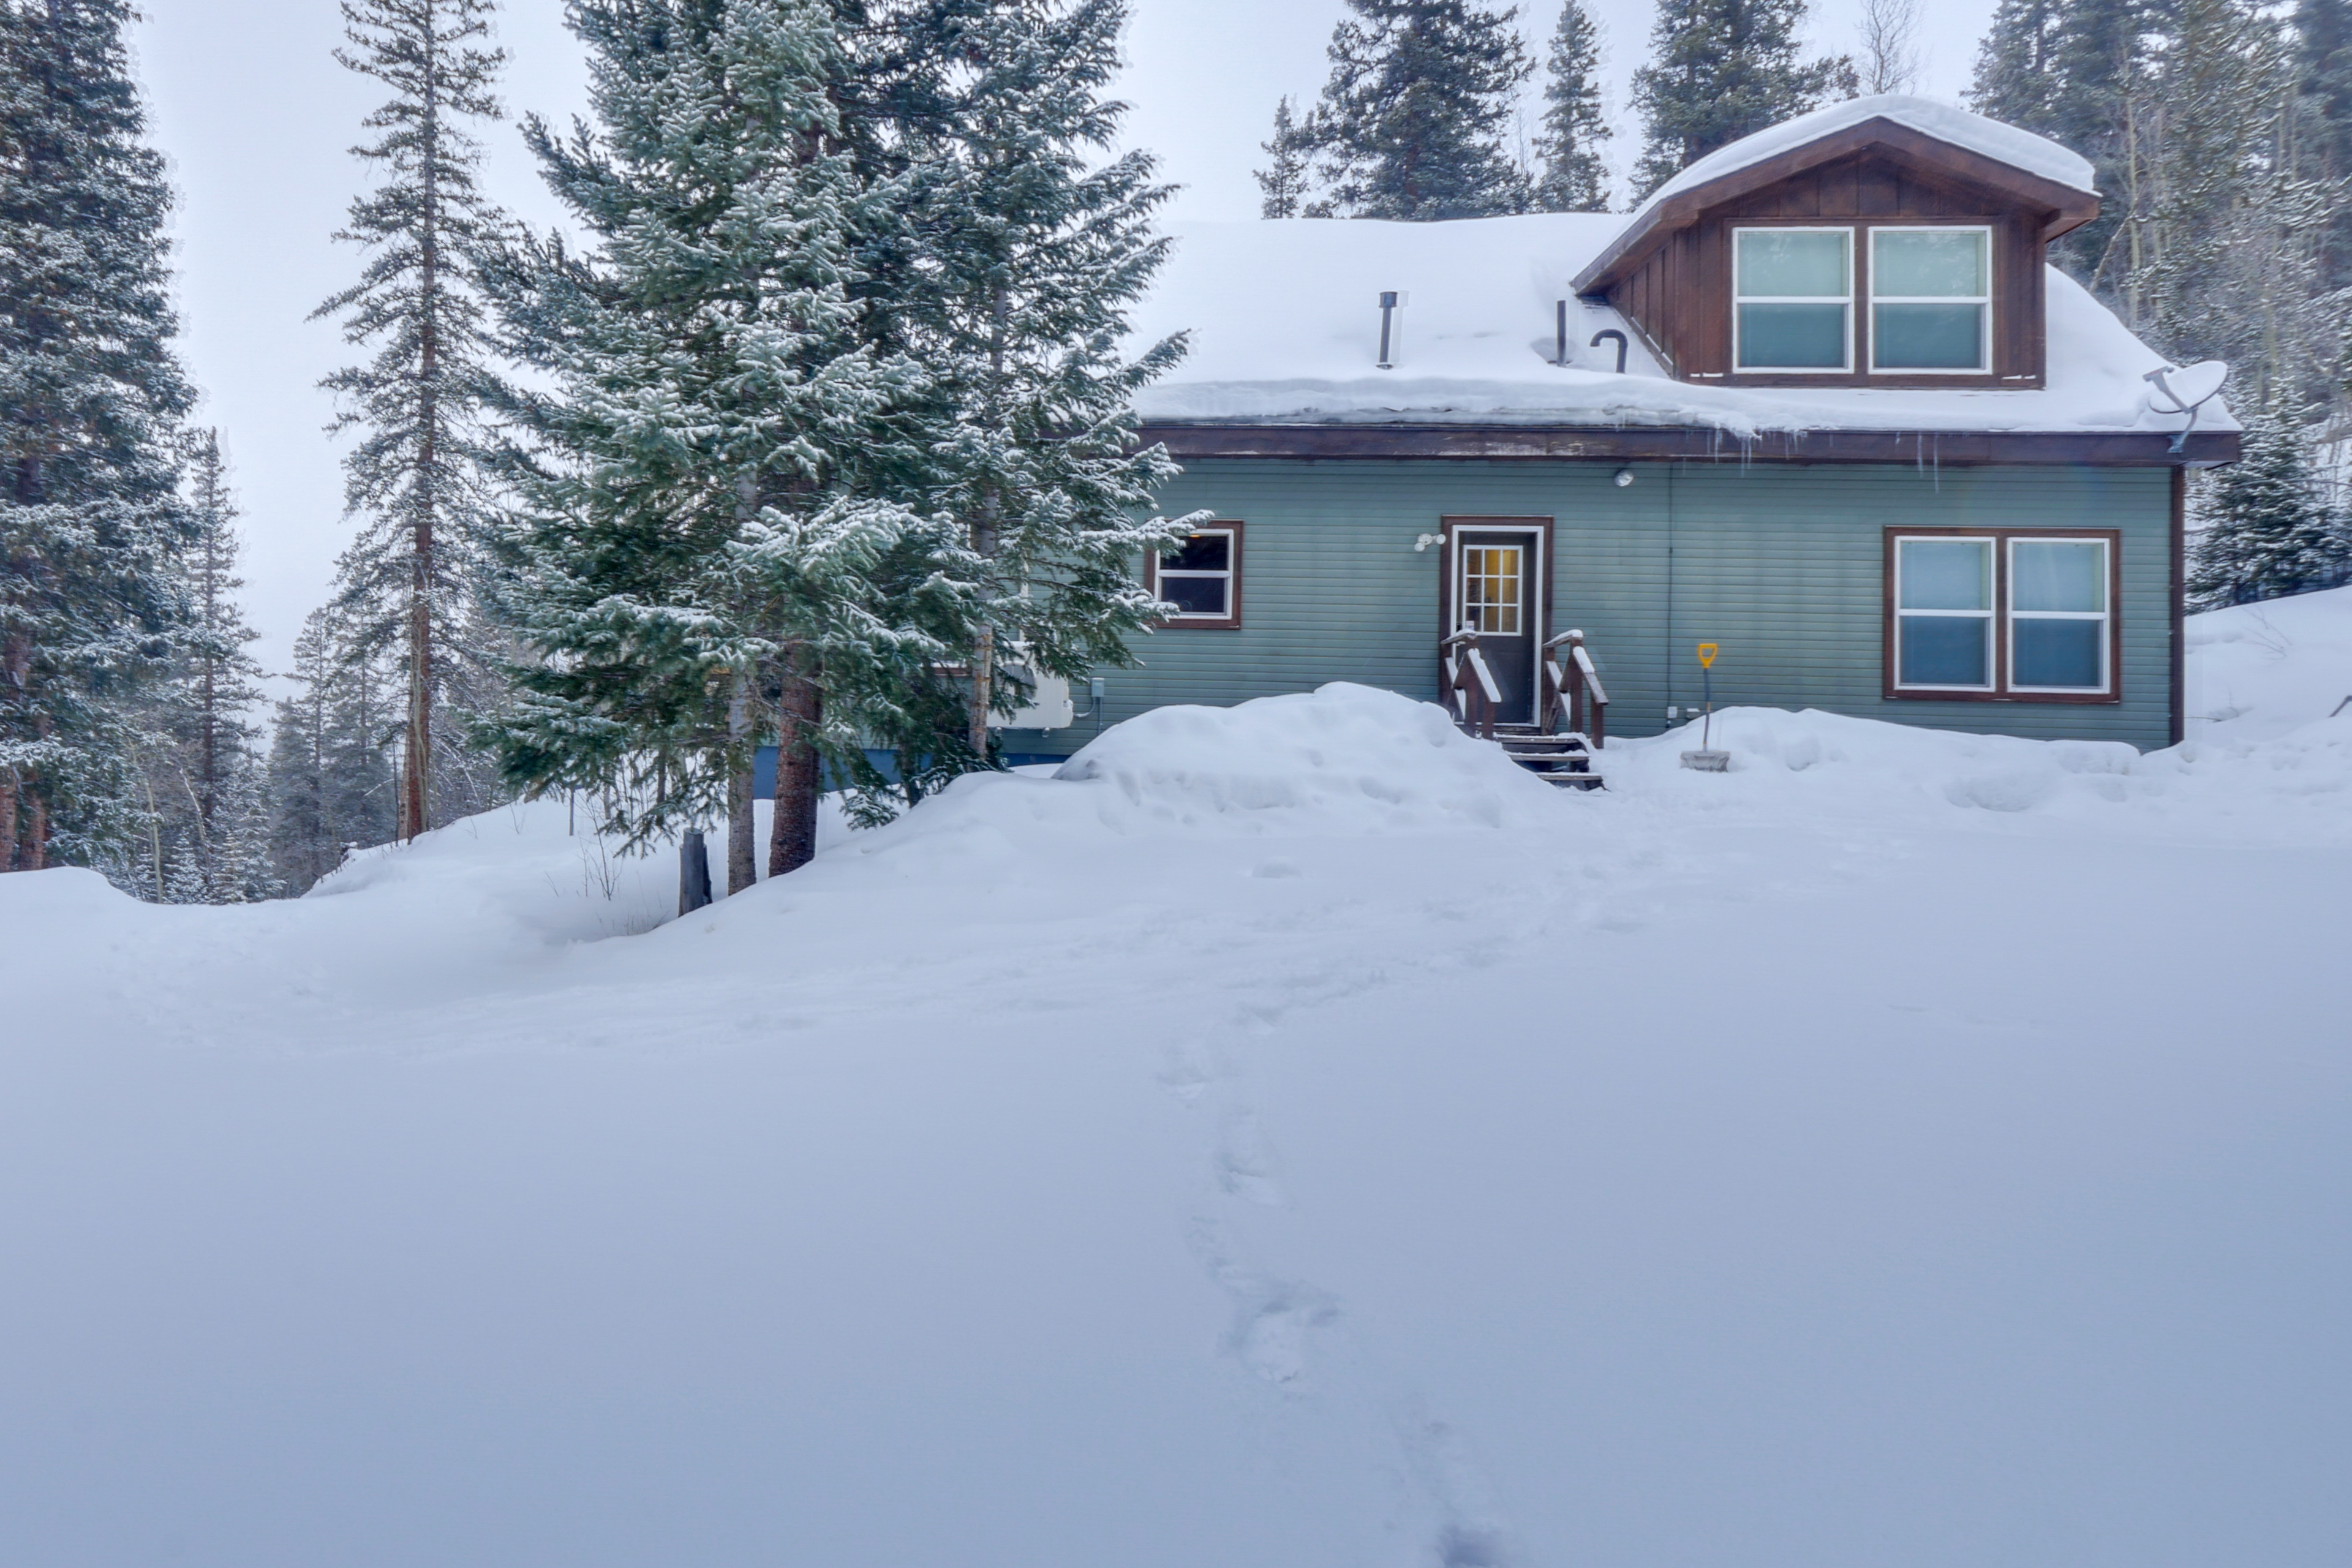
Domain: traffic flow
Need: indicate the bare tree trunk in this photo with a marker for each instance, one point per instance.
(36, 848)
(983, 668)
(416, 761)
(800, 774)
(743, 868)
(7, 822)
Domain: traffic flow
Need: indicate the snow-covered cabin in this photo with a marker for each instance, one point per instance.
(1820, 402)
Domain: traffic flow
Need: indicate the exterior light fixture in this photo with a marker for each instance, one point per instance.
(1624, 478)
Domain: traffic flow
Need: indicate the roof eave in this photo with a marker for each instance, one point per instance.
(2066, 207)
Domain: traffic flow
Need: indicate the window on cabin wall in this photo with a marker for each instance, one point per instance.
(2002, 614)
(1792, 299)
(1202, 577)
(1931, 301)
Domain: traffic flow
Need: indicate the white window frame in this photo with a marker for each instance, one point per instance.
(1984, 319)
(1738, 366)
(2105, 617)
(1990, 615)
(1232, 575)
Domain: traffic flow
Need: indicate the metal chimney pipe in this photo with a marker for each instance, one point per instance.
(1388, 315)
(1562, 359)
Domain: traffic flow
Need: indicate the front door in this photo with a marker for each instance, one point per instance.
(1497, 589)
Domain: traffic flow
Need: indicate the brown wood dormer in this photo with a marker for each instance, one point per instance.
(1847, 261)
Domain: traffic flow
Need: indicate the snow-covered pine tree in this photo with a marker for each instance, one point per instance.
(1573, 172)
(2265, 529)
(1417, 118)
(411, 577)
(2077, 71)
(706, 503)
(1285, 183)
(1721, 69)
(1033, 256)
(91, 392)
(2321, 34)
(331, 782)
(2015, 78)
(206, 838)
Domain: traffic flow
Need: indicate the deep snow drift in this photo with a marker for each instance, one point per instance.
(1290, 1136)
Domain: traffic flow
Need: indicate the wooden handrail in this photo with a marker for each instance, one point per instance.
(1574, 677)
(1475, 699)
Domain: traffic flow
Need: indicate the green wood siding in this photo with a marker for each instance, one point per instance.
(1781, 564)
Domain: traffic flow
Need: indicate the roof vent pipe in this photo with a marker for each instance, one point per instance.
(1388, 316)
(1562, 360)
(1608, 332)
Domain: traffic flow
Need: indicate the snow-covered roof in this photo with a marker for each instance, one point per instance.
(1947, 123)
(1285, 323)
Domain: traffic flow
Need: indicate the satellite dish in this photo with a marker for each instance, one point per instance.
(2185, 390)
(2178, 391)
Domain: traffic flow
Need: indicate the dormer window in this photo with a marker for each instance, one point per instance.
(1792, 308)
(1793, 300)
(1931, 301)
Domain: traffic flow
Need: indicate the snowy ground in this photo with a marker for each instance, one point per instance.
(1298, 1139)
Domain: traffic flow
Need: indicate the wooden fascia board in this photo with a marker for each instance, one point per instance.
(2067, 207)
(1956, 449)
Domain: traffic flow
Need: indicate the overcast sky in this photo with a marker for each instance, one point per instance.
(257, 119)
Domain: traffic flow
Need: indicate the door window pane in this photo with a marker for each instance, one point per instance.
(1928, 337)
(1945, 573)
(1944, 650)
(2058, 574)
(1490, 589)
(1924, 264)
(1792, 337)
(1793, 262)
(2062, 653)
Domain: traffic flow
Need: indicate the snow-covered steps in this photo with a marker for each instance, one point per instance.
(1564, 759)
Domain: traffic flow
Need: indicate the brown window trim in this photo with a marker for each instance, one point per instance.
(2002, 302)
(2001, 691)
(1226, 622)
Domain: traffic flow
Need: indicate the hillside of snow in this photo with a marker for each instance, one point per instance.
(1289, 1136)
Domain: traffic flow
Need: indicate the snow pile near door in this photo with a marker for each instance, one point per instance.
(1342, 759)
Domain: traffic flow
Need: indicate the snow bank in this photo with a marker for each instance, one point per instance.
(1341, 759)
(2257, 671)
(1283, 324)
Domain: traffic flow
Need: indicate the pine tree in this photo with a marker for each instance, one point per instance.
(706, 505)
(2322, 40)
(202, 796)
(2015, 81)
(1722, 69)
(332, 787)
(90, 392)
(411, 577)
(1284, 183)
(1415, 121)
(2265, 529)
(1035, 254)
(1573, 174)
